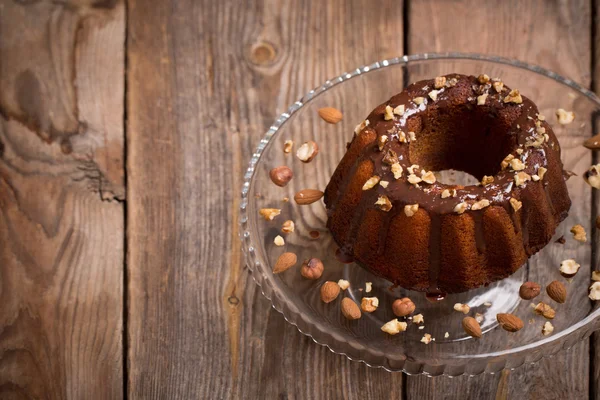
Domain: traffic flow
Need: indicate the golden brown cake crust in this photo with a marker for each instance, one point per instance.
(388, 212)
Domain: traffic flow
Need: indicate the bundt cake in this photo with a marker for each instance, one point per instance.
(387, 211)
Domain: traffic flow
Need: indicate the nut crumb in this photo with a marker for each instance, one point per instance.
(269, 213)
(414, 179)
(434, 94)
(278, 241)
(596, 276)
(483, 78)
(399, 110)
(541, 172)
(426, 338)
(446, 335)
(412, 136)
(411, 209)
(592, 176)
(516, 204)
(287, 146)
(479, 317)
(288, 226)
(461, 208)
(517, 164)
(579, 234)
(487, 180)
(544, 310)
(361, 126)
(307, 151)
(397, 170)
(463, 308)
(368, 287)
(506, 162)
(564, 117)
(547, 329)
(481, 99)
(568, 268)
(481, 204)
(369, 304)
(418, 319)
(371, 182)
(394, 326)
(381, 141)
(428, 177)
(343, 284)
(595, 291)
(439, 82)
(384, 184)
(384, 203)
(389, 113)
(498, 86)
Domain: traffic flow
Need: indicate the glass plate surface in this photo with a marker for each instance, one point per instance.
(356, 93)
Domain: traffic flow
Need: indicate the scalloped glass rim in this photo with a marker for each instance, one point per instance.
(583, 328)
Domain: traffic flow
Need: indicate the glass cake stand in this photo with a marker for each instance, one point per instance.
(452, 352)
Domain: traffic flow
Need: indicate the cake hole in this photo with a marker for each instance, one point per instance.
(454, 178)
(463, 138)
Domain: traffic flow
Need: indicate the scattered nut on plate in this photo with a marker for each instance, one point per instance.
(285, 262)
(463, 308)
(369, 304)
(281, 176)
(544, 310)
(568, 268)
(403, 307)
(279, 241)
(509, 322)
(312, 268)
(426, 338)
(557, 291)
(307, 196)
(287, 146)
(269, 213)
(394, 327)
(343, 284)
(329, 291)
(308, 151)
(595, 291)
(578, 232)
(547, 329)
(529, 290)
(471, 327)
(288, 226)
(564, 117)
(330, 115)
(350, 309)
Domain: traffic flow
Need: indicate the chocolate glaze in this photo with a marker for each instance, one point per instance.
(522, 132)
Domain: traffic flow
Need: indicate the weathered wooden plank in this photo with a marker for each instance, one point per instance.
(61, 162)
(553, 34)
(205, 81)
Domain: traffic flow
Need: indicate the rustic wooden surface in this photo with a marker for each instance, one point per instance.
(202, 82)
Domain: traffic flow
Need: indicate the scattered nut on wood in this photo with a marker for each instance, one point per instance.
(418, 319)
(579, 234)
(307, 196)
(426, 338)
(557, 292)
(568, 268)
(403, 307)
(285, 262)
(544, 310)
(307, 152)
(329, 291)
(269, 213)
(547, 329)
(281, 176)
(564, 117)
(369, 304)
(350, 309)
(330, 115)
(509, 322)
(288, 226)
(287, 146)
(529, 290)
(471, 327)
(312, 268)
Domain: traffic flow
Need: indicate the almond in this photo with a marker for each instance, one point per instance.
(330, 115)
(471, 327)
(285, 262)
(509, 322)
(403, 307)
(307, 196)
(350, 309)
(557, 292)
(529, 290)
(307, 151)
(329, 291)
(281, 175)
(593, 143)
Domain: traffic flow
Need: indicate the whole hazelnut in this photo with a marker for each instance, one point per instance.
(281, 175)
(529, 290)
(312, 268)
(403, 307)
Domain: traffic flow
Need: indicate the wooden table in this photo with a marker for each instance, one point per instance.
(125, 130)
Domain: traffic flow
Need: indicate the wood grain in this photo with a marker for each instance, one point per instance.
(205, 81)
(555, 35)
(61, 161)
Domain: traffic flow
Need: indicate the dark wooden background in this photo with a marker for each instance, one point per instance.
(125, 130)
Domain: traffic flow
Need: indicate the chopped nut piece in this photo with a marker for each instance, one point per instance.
(564, 117)
(426, 338)
(288, 226)
(411, 209)
(384, 184)
(480, 204)
(506, 162)
(384, 203)
(595, 291)
(483, 78)
(397, 170)
(517, 164)
(596, 276)
(578, 232)
(389, 113)
(402, 137)
(269, 213)
(433, 94)
(381, 141)
(446, 335)
(481, 99)
(343, 284)
(521, 178)
(439, 82)
(463, 308)
(519, 151)
(419, 100)
(516, 204)
(535, 178)
(399, 110)
(498, 86)
(568, 268)
(445, 193)
(371, 182)
(479, 317)
(412, 136)
(361, 126)
(592, 176)
(390, 157)
(461, 208)
(287, 146)
(402, 307)
(428, 177)
(487, 179)
(413, 179)
(393, 327)
(451, 82)
(368, 287)
(541, 172)
(369, 304)
(412, 168)
(418, 319)
(513, 97)
(544, 310)
(307, 151)
(278, 241)
(547, 329)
